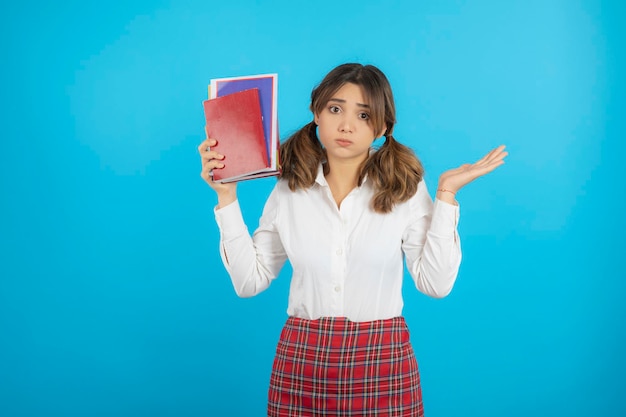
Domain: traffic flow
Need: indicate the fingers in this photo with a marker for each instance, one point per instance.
(211, 159)
(457, 178)
(486, 164)
(205, 150)
(207, 169)
(211, 163)
(207, 175)
(206, 144)
(495, 154)
(487, 167)
(498, 153)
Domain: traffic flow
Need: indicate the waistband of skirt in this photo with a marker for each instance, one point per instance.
(344, 324)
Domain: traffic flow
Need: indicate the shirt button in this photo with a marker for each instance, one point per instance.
(337, 288)
(339, 251)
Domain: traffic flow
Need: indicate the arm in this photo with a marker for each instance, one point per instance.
(252, 263)
(431, 244)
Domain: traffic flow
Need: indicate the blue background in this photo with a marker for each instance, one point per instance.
(113, 299)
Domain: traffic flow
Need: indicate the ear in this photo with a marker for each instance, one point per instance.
(382, 133)
(316, 118)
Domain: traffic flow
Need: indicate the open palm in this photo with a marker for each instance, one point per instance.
(457, 178)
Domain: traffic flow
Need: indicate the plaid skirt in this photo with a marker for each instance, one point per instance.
(336, 367)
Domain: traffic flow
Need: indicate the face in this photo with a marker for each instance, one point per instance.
(345, 129)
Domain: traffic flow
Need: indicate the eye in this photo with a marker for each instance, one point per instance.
(364, 116)
(334, 109)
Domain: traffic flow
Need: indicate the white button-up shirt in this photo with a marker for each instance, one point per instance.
(347, 261)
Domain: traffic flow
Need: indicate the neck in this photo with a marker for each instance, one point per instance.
(342, 178)
(344, 173)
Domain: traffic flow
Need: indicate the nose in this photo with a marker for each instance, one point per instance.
(346, 125)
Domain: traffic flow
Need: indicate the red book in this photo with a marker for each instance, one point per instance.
(267, 85)
(236, 122)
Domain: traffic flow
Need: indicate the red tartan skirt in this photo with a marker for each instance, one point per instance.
(336, 367)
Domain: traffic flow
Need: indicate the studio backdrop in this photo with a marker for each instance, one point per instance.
(113, 297)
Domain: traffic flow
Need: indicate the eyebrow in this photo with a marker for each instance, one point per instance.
(339, 100)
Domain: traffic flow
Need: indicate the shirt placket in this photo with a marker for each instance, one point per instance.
(340, 256)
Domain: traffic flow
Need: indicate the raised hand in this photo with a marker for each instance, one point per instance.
(226, 193)
(453, 180)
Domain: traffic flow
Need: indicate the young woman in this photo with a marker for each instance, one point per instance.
(347, 217)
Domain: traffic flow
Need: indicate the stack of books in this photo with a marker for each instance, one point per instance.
(241, 115)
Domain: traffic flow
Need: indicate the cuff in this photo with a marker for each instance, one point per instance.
(445, 218)
(230, 220)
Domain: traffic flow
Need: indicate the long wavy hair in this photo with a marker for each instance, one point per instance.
(393, 169)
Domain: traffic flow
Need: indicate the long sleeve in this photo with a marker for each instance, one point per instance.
(252, 262)
(431, 244)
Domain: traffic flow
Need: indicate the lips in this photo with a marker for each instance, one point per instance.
(343, 142)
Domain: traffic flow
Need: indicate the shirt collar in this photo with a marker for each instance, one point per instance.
(321, 179)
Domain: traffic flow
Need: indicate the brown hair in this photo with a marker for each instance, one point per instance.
(394, 169)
